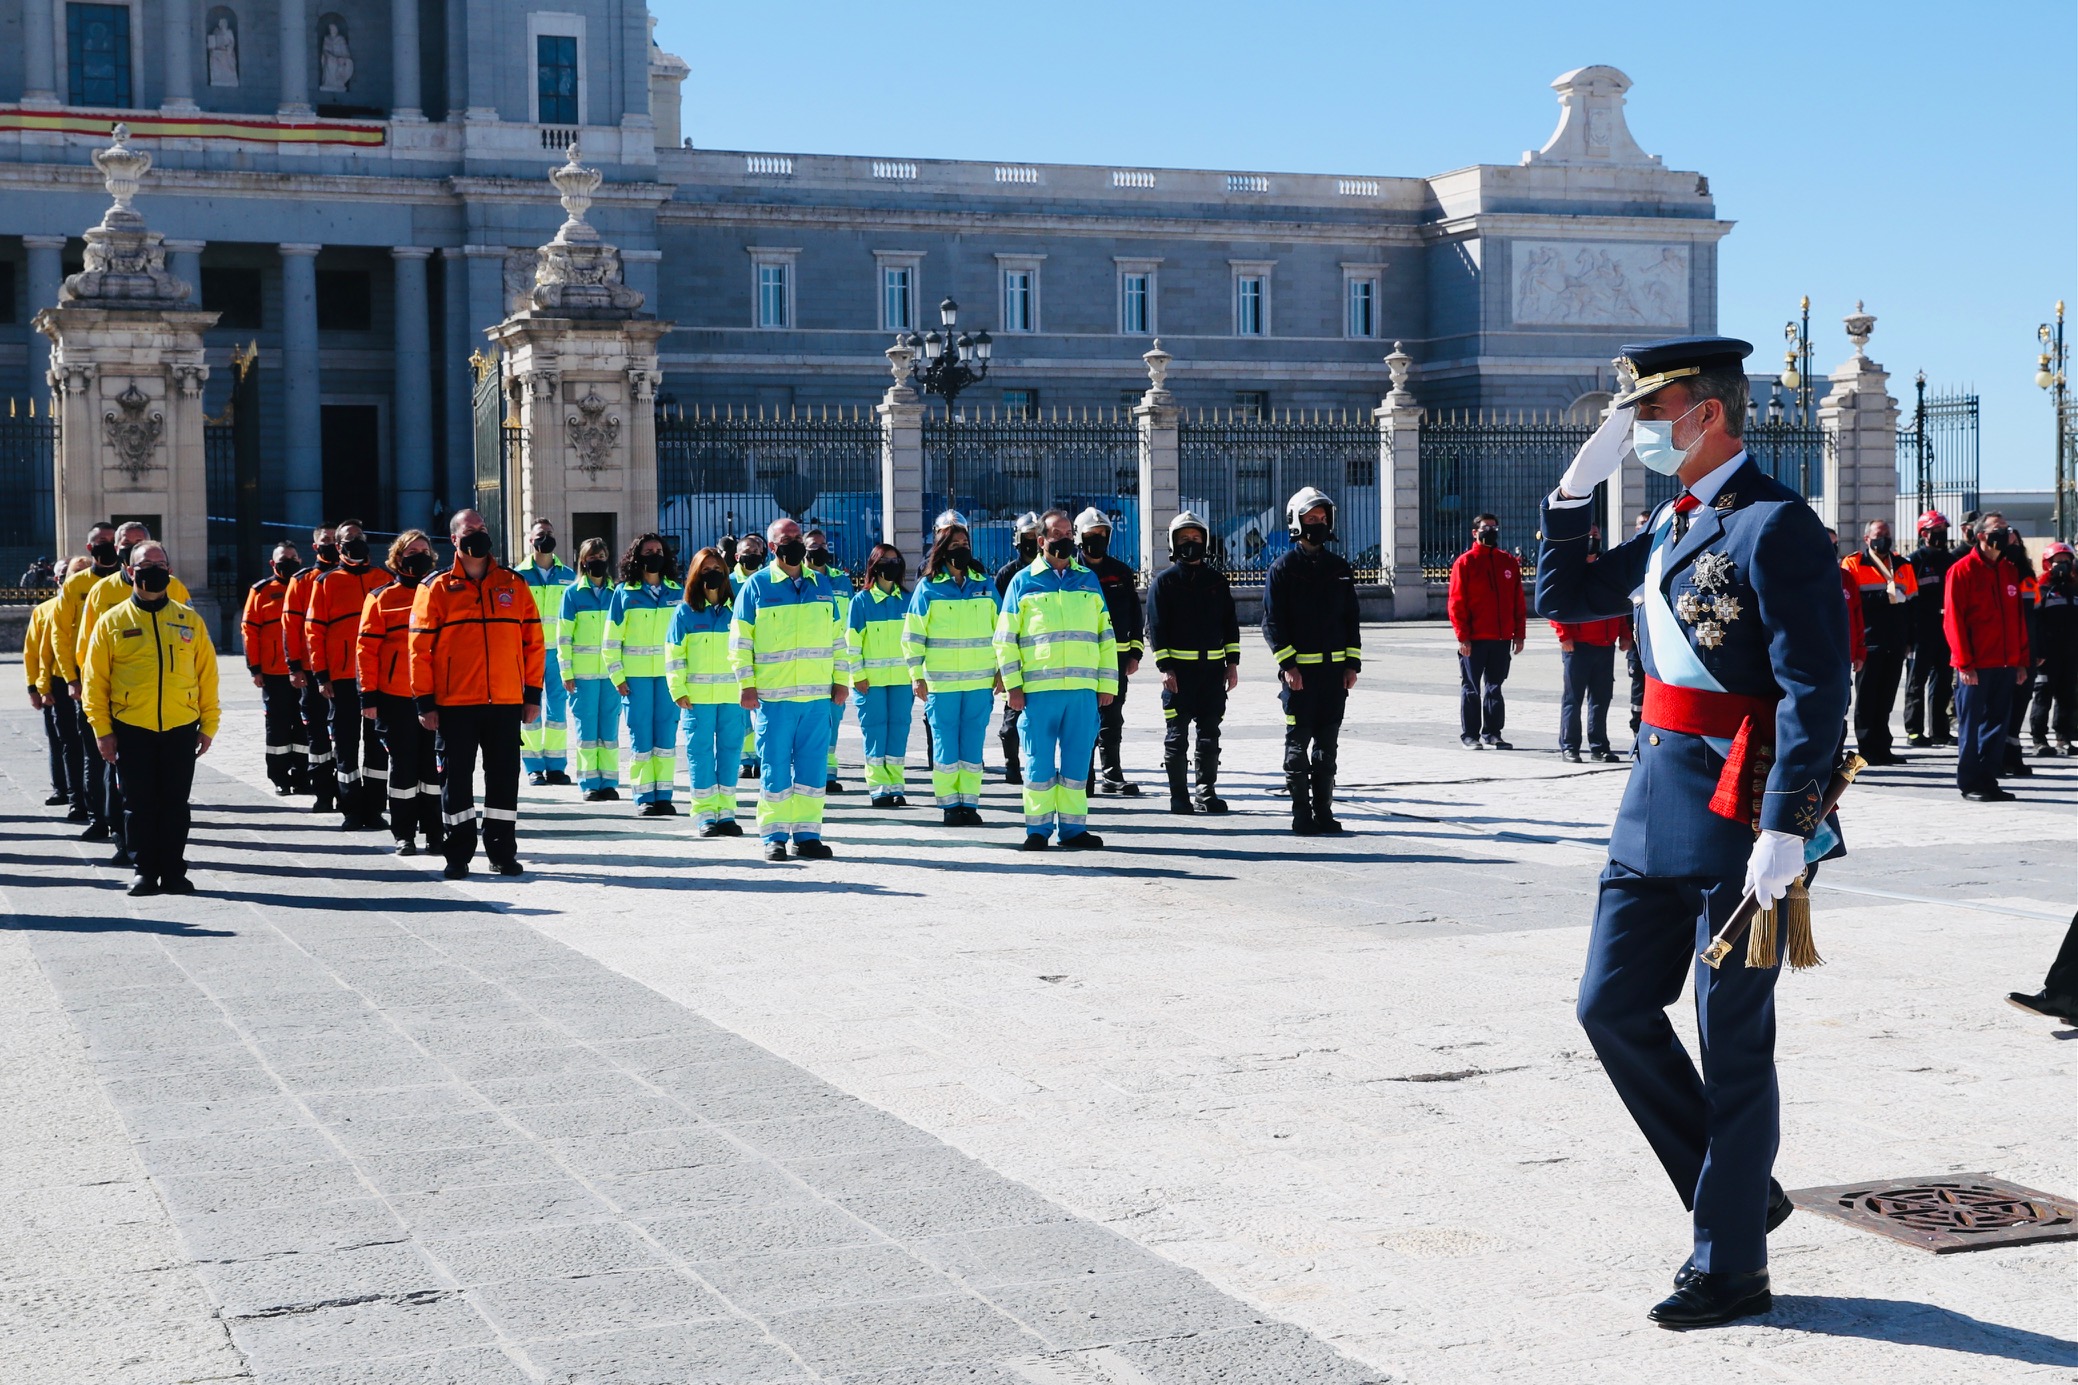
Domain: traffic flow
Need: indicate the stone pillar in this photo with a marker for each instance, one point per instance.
(295, 47)
(1626, 498)
(456, 343)
(127, 373)
(184, 260)
(582, 359)
(1399, 492)
(413, 446)
(901, 412)
(303, 457)
(642, 269)
(39, 57)
(1860, 421)
(404, 61)
(1161, 470)
(179, 55)
(46, 275)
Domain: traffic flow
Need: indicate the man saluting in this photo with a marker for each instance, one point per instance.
(1744, 642)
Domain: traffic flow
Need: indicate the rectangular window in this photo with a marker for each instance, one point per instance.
(234, 295)
(1252, 403)
(772, 295)
(1363, 307)
(345, 300)
(1134, 316)
(7, 295)
(555, 69)
(1017, 300)
(1248, 305)
(1020, 401)
(895, 291)
(97, 54)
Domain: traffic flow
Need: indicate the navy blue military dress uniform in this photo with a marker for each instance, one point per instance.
(1739, 609)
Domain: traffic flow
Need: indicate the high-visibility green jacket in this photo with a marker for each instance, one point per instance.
(581, 630)
(948, 635)
(638, 626)
(785, 641)
(696, 663)
(1055, 634)
(547, 588)
(873, 634)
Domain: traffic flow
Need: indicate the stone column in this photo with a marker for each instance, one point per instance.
(404, 61)
(413, 393)
(456, 342)
(46, 274)
(295, 46)
(1399, 492)
(642, 270)
(901, 412)
(127, 372)
(184, 260)
(179, 55)
(1161, 470)
(1860, 421)
(1626, 498)
(39, 56)
(303, 458)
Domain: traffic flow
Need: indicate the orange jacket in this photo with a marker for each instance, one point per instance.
(475, 643)
(261, 626)
(294, 607)
(332, 626)
(384, 663)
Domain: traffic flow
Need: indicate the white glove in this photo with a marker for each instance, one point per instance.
(1601, 455)
(1777, 859)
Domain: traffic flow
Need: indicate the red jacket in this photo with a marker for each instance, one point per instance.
(1983, 619)
(1486, 598)
(1857, 628)
(1597, 632)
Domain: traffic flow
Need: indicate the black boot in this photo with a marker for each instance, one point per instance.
(434, 825)
(1013, 767)
(1323, 802)
(1179, 786)
(326, 793)
(349, 807)
(1209, 800)
(1298, 784)
(374, 798)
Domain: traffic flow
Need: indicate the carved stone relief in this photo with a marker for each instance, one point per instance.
(132, 429)
(592, 433)
(1595, 284)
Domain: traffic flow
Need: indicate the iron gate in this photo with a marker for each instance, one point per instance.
(995, 467)
(1488, 462)
(733, 470)
(28, 477)
(500, 442)
(1938, 459)
(1238, 470)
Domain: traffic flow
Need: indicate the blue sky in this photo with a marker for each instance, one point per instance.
(1920, 157)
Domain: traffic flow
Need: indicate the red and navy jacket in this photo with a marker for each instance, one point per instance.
(1486, 596)
(1986, 628)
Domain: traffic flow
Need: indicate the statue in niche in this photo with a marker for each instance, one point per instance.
(335, 61)
(222, 43)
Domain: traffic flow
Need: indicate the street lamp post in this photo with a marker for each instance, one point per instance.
(1926, 480)
(943, 364)
(2051, 374)
(1796, 378)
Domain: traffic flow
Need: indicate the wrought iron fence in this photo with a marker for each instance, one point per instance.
(1491, 462)
(1793, 453)
(993, 467)
(1239, 469)
(220, 471)
(1938, 457)
(28, 476)
(733, 470)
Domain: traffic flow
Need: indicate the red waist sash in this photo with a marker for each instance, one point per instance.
(1749, 722)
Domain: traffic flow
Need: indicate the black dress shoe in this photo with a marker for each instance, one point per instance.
(1571, 757)
(1034, 841)
(556, 776)
(970, 816)
(59, 798)
(1082, 841)
(1991, 795)
(657, 809)
(1601, 757)
(538, 779)
(407, 847)
(176, 884)
(141, 885)
(730, 828)
(775, 851)
(2055, 1007)
(835, 786)
(79, 814)
(1469, 742)
(712, 829)
(1779, 1208)
(1712, 1300)
(600, 795)
(455, 870)
(814, 849)
(1496, 743)
(508, 867)
(2019, 769)
(98, 832)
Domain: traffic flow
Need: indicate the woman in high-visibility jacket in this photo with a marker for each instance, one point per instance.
(873, 633)
(947, 639)
(638, 622)
(1059, 662)
(751, 557)
(703, 684)
(581, 659)
(383, 667)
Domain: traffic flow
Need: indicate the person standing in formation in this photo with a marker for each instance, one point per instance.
(1489, 616)
(2055, 689)
(822, 564)
(698, 675)
(749, 560)
(787, 647)
(1887, 584)
(151, 700)
(545, 742)
(1311, 623)
(1025, 531)
(1122, 600)
(382, 664)
(638, 622)
(295, 643)
(39, 669)
(948, 638)
(476, 663)
(1987, 643)
(873, 636)
(84, 777)
(1929, 677)
(267, 660)
(1196, 638)
(332, 634)
(581, 661)
(1059, 664)
(1587, 663)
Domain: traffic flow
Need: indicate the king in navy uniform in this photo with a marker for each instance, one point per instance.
(1743, 638)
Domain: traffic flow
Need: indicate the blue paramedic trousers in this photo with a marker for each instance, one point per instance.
(1058, 732)
(541, 748)
(959, 724)
(1981, 712)
(713, 754)
(598, 713)
(884, 718)
(652, 738)
(793, 751)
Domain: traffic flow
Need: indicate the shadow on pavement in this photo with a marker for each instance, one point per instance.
(1919, 1325)
(46, 923)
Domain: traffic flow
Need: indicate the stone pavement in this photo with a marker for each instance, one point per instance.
(1218, 1105)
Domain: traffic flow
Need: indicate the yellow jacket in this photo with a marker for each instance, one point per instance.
(39, 667)
(154, 669)
(66, 641)
(104, 596)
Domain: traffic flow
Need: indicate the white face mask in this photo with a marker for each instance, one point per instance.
(1653, 442)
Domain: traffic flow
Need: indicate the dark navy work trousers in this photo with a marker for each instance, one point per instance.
(1481, 710)
(1588, 676)
(1981, 710)
(1715, 1131)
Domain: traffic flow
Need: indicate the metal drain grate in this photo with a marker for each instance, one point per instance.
(1961, 1211)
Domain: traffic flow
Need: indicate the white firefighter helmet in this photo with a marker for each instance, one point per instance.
(1186, 520)
(1026, 523)
(949, 520)
(1307, 499)
(1091, 518)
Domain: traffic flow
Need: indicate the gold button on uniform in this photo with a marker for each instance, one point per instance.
(1654, 738)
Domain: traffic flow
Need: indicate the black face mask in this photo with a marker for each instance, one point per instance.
(1316, 533)
(595, 568)
(1998, 538)
(891, 569)
(103, 553)
(654, 562)
(714, 581)
(1188, 550)
(1880, 544)
(1096, 545)
(327, 553)
(354, 550)
(474, 544)
(959, 557)
(415, 565)
(2060, 574)
(1028, 547)
(1490, 537)
(790, 552)
(545, 544)
(154, 579)
(750, 558)
(284, 569)
(1937, 541)
(818, 558)
(1060, 548)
